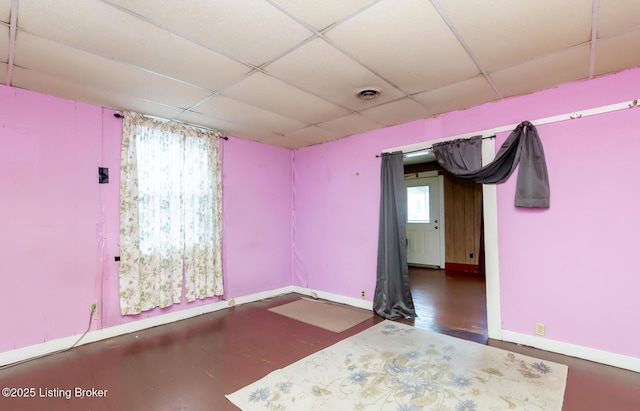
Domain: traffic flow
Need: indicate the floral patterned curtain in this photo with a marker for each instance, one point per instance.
(170, 214)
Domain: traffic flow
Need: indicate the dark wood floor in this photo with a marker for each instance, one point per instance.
(192, 364)
(452, 303)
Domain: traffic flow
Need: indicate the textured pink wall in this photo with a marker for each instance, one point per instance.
(60, 227)
(49, 216)
(257, 217)
(570, 267)
(336, 201)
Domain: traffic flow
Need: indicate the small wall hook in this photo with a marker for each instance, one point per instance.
(633, 104)
(575, 115)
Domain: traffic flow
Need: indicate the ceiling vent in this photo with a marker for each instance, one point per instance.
(368, 93)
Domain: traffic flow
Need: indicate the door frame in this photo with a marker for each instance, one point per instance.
(490, 215)
(430, 174)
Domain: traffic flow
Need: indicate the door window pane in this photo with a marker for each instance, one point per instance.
(418, 205)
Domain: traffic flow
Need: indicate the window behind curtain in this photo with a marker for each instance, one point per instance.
(170, 236)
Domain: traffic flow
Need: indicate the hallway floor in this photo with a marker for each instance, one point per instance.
(192, 364)
(451, 303)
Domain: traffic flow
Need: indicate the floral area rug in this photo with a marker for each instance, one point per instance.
(396, 367)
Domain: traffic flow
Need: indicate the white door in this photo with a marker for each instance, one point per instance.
(425, 232)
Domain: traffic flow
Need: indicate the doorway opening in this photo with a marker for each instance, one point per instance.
(445, 250)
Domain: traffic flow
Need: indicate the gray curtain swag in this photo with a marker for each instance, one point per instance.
(392, 298)
(463, 158)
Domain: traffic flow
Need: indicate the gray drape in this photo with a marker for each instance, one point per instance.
(392, 298)
(463, 158)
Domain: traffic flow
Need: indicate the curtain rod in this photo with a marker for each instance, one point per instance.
(222, 136)
(546, 120)
(429, 148)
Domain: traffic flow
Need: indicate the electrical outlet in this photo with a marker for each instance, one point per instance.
(231, 302)
(540, 329)
(363, 293)
(93, 308)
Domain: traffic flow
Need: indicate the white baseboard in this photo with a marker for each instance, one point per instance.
(337, 298)
(572, 350)
(49, 347)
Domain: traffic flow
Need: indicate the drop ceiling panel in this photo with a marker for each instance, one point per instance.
(407, 43)
(286, 142)
(234, 111)
(30, 79)
(101, 73)
(617, 16)
(502, 33)
(160, 58)
(259, 136)
(273, 95)
(566, 66)
(325, 71)
(351, 124)
(321, 14)
(613, 54)
(397, 112)
(112, 33)
(4, 43)
(252, 31)
(458, 96)
(312, 135)
(226, 127)
(5, 11)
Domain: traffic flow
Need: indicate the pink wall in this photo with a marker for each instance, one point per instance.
(257, 217)
(570, 267)
(49, 214)
(336, 201)
(566, 266)
(60, 227)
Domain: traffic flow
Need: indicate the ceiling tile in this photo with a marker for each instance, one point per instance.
(312, 135)
(43, 83)
(252, 31)
(617, 16)
(407, 43)
(97, 72)
(349, 125)
(286, 142)
(160, 58)
(329, 73)
(245, 115)
(226, 127)
(552, 70)
(502, 33)
(321, 14)
(5, 11)
(397, 112)
(613, 54)
(273, 95)
(458, 96)
(4, 43)
(112, 33)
